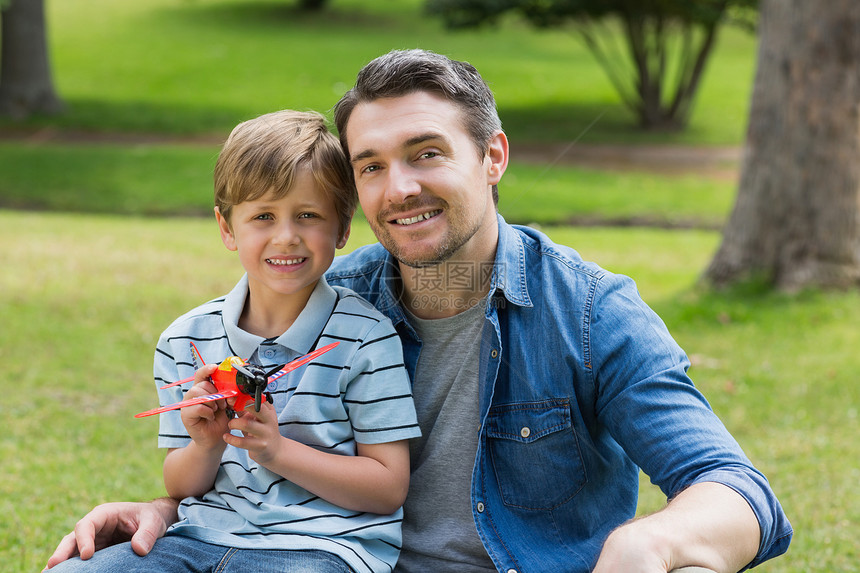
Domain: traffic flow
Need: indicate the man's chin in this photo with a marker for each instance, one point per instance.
(420, 260)
(417, 255)
(418, 264)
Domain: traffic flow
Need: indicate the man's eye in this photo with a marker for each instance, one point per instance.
(428, 155)
(370, 169)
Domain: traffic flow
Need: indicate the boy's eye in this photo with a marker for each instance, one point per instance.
(307, 215)
(263, 217)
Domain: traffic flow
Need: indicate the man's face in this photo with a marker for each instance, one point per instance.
(422, 185)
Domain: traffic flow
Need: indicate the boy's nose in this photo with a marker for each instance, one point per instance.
(286, 234)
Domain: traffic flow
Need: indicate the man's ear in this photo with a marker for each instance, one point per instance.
(341, 243)
(497, 153)
(226, 232)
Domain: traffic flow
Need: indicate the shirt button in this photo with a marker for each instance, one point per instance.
(480, 507)
(511, 571)
(525, 432)
(269, 353)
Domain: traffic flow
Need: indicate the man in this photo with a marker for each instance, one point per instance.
(541, 382)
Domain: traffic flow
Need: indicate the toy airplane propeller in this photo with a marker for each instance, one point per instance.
(236, 377)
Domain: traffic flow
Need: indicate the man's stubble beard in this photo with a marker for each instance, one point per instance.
(451, 242)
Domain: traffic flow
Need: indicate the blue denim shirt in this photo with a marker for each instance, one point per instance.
(581, 385)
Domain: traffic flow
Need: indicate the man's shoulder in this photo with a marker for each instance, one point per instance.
(540, 250)
(363, 260)
(359, 269)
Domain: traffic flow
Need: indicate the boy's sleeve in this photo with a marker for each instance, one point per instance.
(379, 394)
(171, 430)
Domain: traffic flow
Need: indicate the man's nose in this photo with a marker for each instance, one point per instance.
(402, 183)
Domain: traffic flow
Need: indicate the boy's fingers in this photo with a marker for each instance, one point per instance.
(203, 373)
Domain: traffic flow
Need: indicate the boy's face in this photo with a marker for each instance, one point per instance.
(285, 244)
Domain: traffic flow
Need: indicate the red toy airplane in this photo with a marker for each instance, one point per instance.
(236, 377)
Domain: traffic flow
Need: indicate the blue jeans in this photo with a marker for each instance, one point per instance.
(175, 554)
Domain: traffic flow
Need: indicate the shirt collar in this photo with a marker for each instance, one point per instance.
(299, 337)
(509, 267)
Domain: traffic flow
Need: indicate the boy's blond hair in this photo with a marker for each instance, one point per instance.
(264, 154)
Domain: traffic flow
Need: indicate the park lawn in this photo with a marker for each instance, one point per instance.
(173, 180)
(201, 66)
(84, 298)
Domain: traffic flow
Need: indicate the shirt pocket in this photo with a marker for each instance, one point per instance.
(535, 453)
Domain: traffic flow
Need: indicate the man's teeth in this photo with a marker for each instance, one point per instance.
(417, 218)
(285, 261)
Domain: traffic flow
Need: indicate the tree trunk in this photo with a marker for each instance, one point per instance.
(26, 86)
(796, 221)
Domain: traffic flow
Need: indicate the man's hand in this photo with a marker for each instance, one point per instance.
(112, 523)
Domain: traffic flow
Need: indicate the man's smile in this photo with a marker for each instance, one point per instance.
(418, 218)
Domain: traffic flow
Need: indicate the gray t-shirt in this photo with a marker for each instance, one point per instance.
(439, 532)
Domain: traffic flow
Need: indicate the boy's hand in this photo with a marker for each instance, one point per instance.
(260, 433)
(206, 423)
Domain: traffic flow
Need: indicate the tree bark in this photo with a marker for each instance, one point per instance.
(26, 85)
(796, 221)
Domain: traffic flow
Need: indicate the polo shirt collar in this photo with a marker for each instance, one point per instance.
(299, 338)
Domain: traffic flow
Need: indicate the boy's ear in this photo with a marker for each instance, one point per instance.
(226, 232)
(497, 154)
(341, 243)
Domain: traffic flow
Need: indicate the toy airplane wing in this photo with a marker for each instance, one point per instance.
(192, 402)
(198, 361)
(177, 383)
(301, 361)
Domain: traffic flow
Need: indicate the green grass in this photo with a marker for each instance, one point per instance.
(84, 297)
(191, 66)
(176, 180)
(130, 179)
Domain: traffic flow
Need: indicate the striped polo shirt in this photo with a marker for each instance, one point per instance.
(357, 392)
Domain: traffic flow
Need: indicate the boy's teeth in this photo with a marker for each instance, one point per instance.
(417, 218)
(285, 261)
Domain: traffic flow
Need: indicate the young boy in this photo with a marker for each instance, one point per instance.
(314, 481)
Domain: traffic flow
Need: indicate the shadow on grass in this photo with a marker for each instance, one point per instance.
(140, 117)
(261, 14)
(585, 123)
